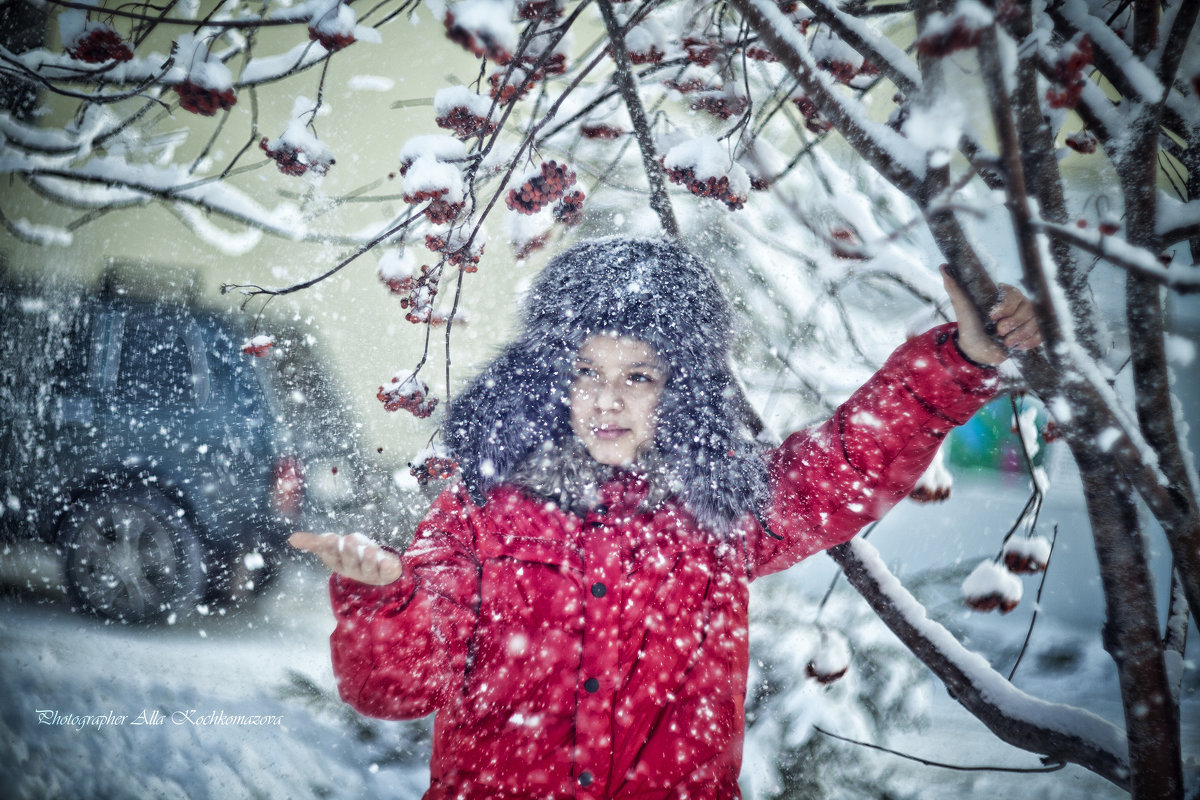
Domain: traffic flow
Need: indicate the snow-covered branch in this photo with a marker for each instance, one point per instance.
(1054, 730)
(1120, 253)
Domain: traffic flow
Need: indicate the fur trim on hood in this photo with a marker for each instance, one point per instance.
(652, 290)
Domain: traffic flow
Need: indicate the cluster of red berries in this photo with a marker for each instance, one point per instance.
(1107, 227)
(1068, 73)
(1082, 141)
(409, 395)
(515, 88)
(692, 83)
(461, 256)
(598, 130)
(959, 36)
(522, 249)
(756, 52)
(720, 106)
(714, 187)
(440, 210)
(992, 601)
(1019, 561)
(100, 44)
(651, 56)
(464, 123)
(542, 189)
(533, 9)
(331, 41)
(478, 42)
(842, 71)
(259, 346)
(929, 494)
(293, 160)
(813, 119)
(433, 468)
(569, 210)
(700, 51)
(418, 301)
(203, 100)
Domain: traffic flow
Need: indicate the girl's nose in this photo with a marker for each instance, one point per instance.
(609, 397)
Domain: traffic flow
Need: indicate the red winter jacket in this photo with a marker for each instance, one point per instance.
(606, 656)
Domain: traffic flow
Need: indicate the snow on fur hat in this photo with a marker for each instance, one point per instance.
(652, 290)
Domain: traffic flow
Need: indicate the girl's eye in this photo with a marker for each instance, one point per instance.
(584, 372)
(640, 377)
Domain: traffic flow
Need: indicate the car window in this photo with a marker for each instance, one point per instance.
(156, 364)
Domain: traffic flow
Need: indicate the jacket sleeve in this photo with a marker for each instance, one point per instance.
(830, 481)
(400, 650)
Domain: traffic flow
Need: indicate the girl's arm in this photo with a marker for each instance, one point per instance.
(829, 482)
(400, 648)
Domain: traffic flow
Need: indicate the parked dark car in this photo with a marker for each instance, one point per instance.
(165, 464)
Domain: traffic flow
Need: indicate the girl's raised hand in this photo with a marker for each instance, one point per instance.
(1012, 318)
(353, 556)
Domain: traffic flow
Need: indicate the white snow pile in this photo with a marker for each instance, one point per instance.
(435, 147)
(395, 265)
(193, 63)
(991, 580)
(429, 177)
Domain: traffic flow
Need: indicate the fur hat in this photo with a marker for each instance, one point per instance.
(652, 290)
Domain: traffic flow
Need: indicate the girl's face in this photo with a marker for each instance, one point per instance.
(614, 397)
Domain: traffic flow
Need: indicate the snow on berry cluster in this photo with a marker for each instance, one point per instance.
(813, 119)
(540, 187)
(397, 271)
(332, 24)
(206, 85)
(93, 42)
(647, 43)
(298, 150)
(934, 484)
(458, 248)
(483, 27)
(831, 660)
(416, 287)
(533, 9)
(1083, 141)
(1026, 554)
(408, 392)
(833, 55)
(991, 586)
(431, 464)
(258, 346)
(704, 167)
(436, 147)
(466, 113)
(1067, 73)
(440, 183)
(944, 34)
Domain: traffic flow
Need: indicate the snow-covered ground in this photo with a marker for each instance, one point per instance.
(143, 705)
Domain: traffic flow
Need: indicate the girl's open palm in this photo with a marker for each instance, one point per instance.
(353, 556)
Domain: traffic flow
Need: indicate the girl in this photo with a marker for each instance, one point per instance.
(574, 607)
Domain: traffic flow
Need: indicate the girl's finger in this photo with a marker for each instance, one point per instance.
(1024, 337)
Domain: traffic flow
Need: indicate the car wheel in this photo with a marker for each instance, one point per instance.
(131, 556)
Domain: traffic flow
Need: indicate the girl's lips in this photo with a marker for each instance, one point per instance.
(609, 433)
